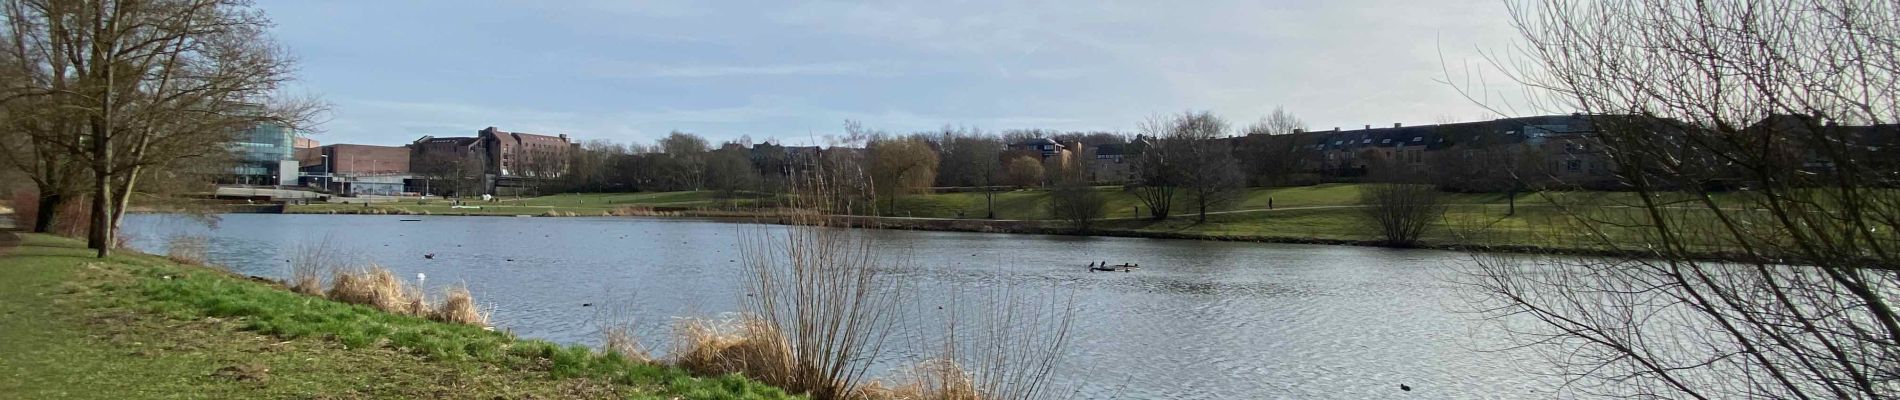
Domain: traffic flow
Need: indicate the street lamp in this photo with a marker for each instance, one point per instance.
(327, 173)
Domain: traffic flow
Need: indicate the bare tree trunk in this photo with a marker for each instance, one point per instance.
(99, 235)
(989, 200)
(124, 193)
(49, 204)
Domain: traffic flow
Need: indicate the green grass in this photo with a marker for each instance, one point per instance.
(138, 326)
(1299, 213)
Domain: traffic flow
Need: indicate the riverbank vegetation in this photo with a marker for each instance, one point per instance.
(1792, 102)
(1323, 213)
(371, 334)
(133, 325)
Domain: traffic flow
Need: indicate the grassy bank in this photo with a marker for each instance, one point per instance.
(140, 326)
(1307, 214)
(1013, 204)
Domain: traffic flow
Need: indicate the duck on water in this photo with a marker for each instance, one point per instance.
(1103, 266)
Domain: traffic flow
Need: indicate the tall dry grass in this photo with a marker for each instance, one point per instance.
(819, 309)
(618, 334)
(374, 286)
(744, 345)
(638, 211)
(1003, 342)
(377, 287)
(818, 306)
(459, 307)
(310, 261)
(188, 249)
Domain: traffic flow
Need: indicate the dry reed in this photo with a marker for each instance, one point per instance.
(375, 286)
(745, 345)
(309, 262)
(459, 307)
(187, 249)
(818, 310)
(618, 334)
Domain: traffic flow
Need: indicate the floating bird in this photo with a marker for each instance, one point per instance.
(587, 304)
(509, 259)
(1405, 388)
(430, 256)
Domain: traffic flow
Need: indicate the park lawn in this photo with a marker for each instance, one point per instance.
(430, 208)
(1484, 224)
(139, 326)
(703, 198)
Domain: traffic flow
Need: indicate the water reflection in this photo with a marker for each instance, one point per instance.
(1199, 320)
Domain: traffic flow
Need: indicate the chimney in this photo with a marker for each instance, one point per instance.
(1298, 130)
(1395, 125)
(1335, 129)
(1368, 126)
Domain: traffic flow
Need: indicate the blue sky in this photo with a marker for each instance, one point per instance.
(631, 71)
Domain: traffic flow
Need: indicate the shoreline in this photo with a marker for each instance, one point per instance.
(1040, 227)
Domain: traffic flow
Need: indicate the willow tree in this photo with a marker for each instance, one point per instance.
(1757, 131)
(144, 84)
(901, 165)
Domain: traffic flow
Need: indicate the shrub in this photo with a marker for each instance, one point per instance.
(1400, 213)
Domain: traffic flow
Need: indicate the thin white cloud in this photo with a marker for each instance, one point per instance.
(832, 68)
(619, 70)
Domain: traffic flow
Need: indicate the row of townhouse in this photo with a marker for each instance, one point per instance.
(1563, 150)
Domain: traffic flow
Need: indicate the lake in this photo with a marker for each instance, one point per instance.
(1201, 319)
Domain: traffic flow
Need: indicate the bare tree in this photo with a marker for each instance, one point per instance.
(147, 83)
(589, 166)
(1074, 201)
(1271, 150)
(823, 307)
(1025, 171)
(1400, 213)
(974, 159)
(1184, 154)
(1784, 100)
(540, 166)
(1209, 172)
(730, 171)
(901, 165)
(39, 149)
(1156, 166)
(683, 164)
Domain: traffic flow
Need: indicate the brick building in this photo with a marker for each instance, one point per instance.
(357, 168)
(506, 158)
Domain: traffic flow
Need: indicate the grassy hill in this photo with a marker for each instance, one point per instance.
(139, 326)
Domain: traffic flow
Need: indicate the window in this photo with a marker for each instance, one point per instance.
(1573, 165)
(1416, 139)
(1385, 141)
(1365, 141)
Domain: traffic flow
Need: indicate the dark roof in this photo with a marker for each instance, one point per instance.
(1110, 149)
(1037, 142)
(459, 141)
(1434, 137)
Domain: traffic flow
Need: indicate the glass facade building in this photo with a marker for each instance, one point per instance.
(266, 156)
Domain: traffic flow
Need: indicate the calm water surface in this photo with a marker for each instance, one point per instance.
(1200, 320)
